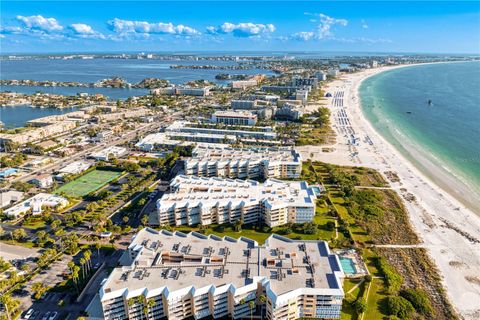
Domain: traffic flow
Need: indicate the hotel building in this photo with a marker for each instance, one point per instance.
(194, 200)
(235, 118)
(180, 276)
(243, 163)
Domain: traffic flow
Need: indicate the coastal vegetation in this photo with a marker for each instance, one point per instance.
(315, 129)
(356, 213)
(368, 216)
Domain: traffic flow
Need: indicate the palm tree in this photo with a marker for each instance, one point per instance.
(98, 246)
(6, 300)
(151, 303)
(251, 305)
(71, 264)
(262, 299)
(82, 263)
(88, 257)
(75, 276)
(144, 220)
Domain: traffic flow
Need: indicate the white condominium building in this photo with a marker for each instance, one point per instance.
(180, 276)
(186, 91)
(243, 104)
(236, 118)
(195, 200)
(243, 163)
(244, 132)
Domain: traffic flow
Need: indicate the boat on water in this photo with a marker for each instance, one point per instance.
(409, 112)
(430, 102)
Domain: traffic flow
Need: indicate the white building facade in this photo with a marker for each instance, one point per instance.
(177, 276)
(235, 118)
(243, 163)
(193, 200)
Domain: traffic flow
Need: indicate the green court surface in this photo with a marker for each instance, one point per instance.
(88, 183)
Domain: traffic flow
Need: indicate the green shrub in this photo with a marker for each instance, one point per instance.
(368, 278)
(330, 225)
(400, 307)
(419, 299)
(309, 228)
(393, 279)
(360, 306)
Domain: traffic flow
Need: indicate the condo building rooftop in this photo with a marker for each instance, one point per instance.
(225, 153)
(170, 263)
(191, 191)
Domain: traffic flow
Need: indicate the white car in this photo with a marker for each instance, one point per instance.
(53, 316)
(28, 314)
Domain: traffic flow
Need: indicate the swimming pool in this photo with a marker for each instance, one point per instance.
(317, 190)
(347, 265)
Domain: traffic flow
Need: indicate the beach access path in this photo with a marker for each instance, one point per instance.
(449, 230)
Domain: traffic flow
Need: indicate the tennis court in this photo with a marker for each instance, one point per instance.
(88, 183)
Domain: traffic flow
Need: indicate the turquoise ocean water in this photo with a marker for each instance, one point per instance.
(445, 132)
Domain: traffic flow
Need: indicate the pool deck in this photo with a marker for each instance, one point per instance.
(358, 263)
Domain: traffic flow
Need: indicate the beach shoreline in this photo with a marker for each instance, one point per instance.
(450, 231)
(437, 173)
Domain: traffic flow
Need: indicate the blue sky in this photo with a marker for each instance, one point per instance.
(377, 26)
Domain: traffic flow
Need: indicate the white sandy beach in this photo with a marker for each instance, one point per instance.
(449, 230)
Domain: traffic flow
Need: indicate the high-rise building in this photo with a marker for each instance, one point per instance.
(243, 163)
(193, 200)
(235, 118)
(179, 276)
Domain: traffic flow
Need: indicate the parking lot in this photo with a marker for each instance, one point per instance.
(50, 302)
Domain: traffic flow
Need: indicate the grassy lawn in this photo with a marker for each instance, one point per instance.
(376, 300)
(88, 183)
(34, 224)
(348, 284)
(348, 311)
(258, 235)
(247, 232)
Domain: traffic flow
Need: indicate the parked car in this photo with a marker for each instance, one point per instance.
(29, 314)
(46, 316)
(53, 316)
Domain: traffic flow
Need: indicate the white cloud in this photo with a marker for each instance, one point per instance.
(129, 27)
(31, 32)
(243, 29)
(303, 36)
(38, 22)
(83, 30)
(326, 23)
(364, 24)
(323, 29)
